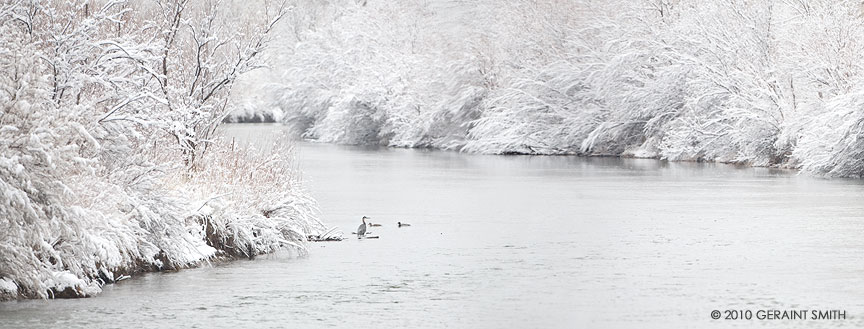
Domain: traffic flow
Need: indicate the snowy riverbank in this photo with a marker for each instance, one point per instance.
(109, 160)
(761, 83)
(97, 231)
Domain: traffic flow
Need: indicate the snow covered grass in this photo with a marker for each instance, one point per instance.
(248, 202)
(762, 83)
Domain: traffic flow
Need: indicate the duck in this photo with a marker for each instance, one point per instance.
(400, 224)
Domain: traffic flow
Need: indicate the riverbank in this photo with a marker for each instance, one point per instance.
(759, 84)
(238, 204)
(641, 152)
(109, 163)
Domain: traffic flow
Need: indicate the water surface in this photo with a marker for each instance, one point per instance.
(518, 242)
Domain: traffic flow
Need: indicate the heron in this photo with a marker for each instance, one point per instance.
(400, 224)
(361, 231)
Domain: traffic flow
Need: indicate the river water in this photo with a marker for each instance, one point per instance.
(519, 242)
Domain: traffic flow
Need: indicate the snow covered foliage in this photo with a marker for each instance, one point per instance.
(764, 83)
(107, 109)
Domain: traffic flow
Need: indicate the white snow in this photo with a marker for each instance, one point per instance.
(106, 155)
(8, 287)
(764, 83)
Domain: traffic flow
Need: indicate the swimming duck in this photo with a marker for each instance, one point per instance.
(400, 224)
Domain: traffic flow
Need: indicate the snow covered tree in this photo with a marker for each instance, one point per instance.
(735, 81)
(89, 192)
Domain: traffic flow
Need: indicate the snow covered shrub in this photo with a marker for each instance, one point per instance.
(834, 142)
(353, 120)
(734, 101)
(300, 107)
(531, 116)
(103, 169)
(694, 80)
(248, 202)
(447, 124)
(361, 80)
(44, 151)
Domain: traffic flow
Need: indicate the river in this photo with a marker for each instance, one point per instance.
(518, 242)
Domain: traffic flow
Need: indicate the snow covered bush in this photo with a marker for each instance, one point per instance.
(253, 203)
(835, 144)
(104, 131)
(751, 82)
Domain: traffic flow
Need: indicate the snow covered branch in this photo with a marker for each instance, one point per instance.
(103, 130)
(751, 82)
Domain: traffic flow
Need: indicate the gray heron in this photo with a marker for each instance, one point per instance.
(361, 231)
